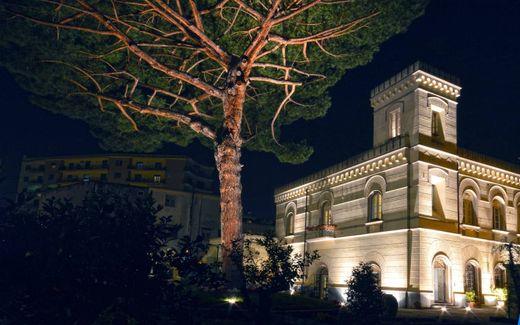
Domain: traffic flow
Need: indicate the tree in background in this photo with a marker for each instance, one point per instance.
(72, 264)
(230, 73)
(364, 297)
(512, 254)
(268, 266)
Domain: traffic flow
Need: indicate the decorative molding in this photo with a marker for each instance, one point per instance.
(488, 173)
(501, 232)
(357, 171)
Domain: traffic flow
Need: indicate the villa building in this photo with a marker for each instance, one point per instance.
(425, 213)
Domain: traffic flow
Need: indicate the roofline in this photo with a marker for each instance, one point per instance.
(409, 70)
(116, 155)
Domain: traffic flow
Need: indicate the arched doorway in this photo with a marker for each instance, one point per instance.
(322, 282)
(441, 279)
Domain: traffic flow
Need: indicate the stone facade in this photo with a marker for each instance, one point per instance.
(425, 212)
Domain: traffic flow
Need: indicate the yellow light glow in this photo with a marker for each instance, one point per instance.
(231, 300)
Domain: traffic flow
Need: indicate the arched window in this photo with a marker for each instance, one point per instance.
(326, 213)
(498, 215)
(518, 217)
(377, 273)
(468, 210)
(321, 283)
(375, 206)
(472, 277)
(289, 223)
(499, 276)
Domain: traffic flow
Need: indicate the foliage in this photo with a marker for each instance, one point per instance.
(500, 294)
(277, 271)
(511, 254)
(185, 259)
(267, 267)
(102, 262)
(364, 297)
(391, 306)
(57, 64)
(471, 296)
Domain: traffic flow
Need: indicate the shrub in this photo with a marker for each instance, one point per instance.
(390, 305)
(364, 297)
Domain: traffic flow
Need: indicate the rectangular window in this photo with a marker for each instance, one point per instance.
(138, 177)
(157, 179)
(119, 163)
(158, 165)
(71, 165)
(51, 177)
(104, 163)
(103, 177)
(395, 123)
(87, 164)
(139, 165)
(117, 175)
(169, 201)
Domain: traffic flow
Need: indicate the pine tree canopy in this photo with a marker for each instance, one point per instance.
(143, 73)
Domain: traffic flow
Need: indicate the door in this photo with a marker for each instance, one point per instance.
(439, 282)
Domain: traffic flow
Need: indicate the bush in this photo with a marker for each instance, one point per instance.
(364, 297)
(390, 306)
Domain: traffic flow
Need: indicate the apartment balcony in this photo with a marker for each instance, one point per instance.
(321, 232)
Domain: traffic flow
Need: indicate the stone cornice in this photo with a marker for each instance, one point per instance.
(488, 173)
(418, 79)
(373, 166)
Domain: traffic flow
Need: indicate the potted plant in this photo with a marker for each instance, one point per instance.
(471, 298)
(501, 296)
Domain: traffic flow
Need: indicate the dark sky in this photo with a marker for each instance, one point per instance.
(477, 41)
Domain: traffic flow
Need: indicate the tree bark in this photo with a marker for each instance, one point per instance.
(227, 158)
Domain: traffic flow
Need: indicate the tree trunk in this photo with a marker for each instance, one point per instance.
(227, 158)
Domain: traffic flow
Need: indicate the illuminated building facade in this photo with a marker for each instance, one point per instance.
(425, 213)
(183, 187)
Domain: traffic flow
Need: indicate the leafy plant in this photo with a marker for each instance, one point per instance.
(500, 294)
(471, 296)
(268, 266)
(364, 297)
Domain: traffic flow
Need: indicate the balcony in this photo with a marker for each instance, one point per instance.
(321, 232)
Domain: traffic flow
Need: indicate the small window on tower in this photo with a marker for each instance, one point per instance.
(395, 123)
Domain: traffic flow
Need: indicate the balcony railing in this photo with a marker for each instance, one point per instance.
(320, 231)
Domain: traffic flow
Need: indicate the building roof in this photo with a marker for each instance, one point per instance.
(409, 70)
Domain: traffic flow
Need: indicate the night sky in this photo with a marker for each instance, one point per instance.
(477, 41)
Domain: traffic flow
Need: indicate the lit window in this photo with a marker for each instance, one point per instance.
(471, 278)
(498, 215)
(468, 210)
(499, 275)
(289, 223)
(438, 195)
(375, 206)
(395, 123)
(157, 179)
(326, 213)
(518, 217)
